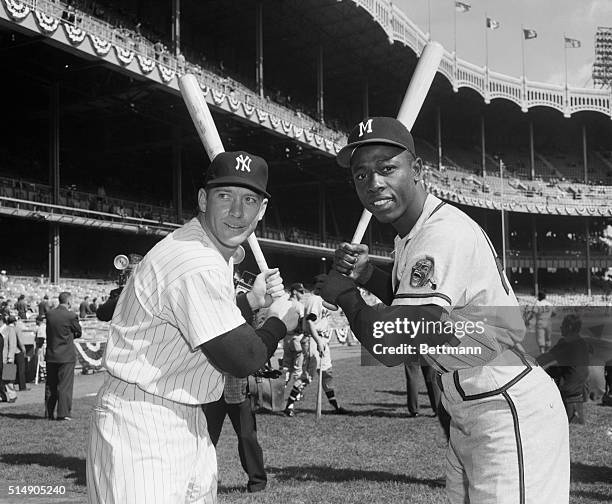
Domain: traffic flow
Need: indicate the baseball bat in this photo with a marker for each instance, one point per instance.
(208, 133)
(320, 389)
(416, 93)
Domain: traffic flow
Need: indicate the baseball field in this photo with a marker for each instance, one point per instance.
(377, 454)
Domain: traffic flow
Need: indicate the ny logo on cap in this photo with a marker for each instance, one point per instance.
(365, 127)
(243, 163)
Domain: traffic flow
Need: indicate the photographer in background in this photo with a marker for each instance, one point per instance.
(126, 266)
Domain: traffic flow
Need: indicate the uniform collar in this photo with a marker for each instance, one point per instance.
(431, 203)
(203, 237)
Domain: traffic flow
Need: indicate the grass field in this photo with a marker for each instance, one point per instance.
(377, 454)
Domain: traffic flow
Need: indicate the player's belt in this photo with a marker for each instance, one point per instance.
(522, 360)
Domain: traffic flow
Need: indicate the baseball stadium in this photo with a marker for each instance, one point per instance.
(99, 157)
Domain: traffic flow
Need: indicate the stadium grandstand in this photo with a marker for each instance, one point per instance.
(98, 155)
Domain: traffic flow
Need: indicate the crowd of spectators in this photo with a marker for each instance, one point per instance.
(24, 304)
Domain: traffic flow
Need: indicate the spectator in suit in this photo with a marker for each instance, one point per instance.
(20, 353)
(62, 327)
(22, 307)
(93, 306)
(412, 371)
(235, 403)
(567, 363)
(44, 306)
(84, 308)
(6, 395)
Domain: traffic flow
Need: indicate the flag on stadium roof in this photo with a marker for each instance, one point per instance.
(462, 6)
(571, 43)
(528, 33)
(492, 24)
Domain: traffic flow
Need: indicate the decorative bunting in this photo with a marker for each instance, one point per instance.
(262, 115)
(47, 23)
(146, 64)
(218, 96)
(101, 46)
(75, 34)
(17, 10)
(125, 56)
(167, 74)
(234, 103)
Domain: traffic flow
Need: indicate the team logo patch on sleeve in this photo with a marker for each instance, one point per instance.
(422, 273)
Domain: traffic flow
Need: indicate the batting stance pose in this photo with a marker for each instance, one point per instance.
(509, 435)
(176, 328)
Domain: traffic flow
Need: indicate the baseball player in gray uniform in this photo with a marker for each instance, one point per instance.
(176, 327)
(449, 300)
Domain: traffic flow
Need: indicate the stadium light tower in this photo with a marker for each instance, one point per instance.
(602, 63)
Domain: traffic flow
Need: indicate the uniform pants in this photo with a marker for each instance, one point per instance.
(412, 387)
(293, 358)
(147, 449)
(509, 439)
(58, 388)
(245, 426)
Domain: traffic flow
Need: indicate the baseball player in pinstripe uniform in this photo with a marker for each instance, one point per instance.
(177, 326)
(509, 434)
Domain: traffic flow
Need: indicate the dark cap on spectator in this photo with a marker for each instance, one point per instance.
(238, 169)
(376, 130)
(45, 296)
(297, 287)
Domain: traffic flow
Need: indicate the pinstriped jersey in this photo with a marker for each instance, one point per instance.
(180, 296)
(449, 261)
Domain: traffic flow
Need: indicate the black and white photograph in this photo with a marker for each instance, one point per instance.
(306, 251)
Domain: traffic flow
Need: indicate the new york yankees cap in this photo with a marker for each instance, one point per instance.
(240, 169)
(376, 130)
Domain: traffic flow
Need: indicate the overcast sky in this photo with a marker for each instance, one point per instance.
(544, 55)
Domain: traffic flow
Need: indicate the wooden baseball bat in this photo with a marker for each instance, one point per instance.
(207, 130)
(319, 388)
(416, 93)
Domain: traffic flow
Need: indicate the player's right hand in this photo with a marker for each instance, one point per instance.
(352, 260)
(285, 310)
(267, 286)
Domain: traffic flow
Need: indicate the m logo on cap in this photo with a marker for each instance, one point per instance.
(243, 163)
(365, 127)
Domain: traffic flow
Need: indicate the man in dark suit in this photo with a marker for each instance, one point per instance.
(84, 308)
(44, 307)
(62, 327)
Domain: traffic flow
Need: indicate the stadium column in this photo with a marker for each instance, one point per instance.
(534, 250)
(531, 150)
(322, 214)
(439, 135)
(259, 50)
(584, 154)
(587, 234)
(177, 173)
(483, 145)
(320, 101)
(176, 26)
(54, 179)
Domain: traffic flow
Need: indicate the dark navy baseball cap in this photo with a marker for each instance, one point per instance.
(238, 169)
(376, 130)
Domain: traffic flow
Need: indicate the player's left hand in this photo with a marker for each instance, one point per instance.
(332, 285)
(267, 286)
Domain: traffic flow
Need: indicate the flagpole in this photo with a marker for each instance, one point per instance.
(429, 19)
(565, 57)
(455, 31)
(523, 50)
(486, 41)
